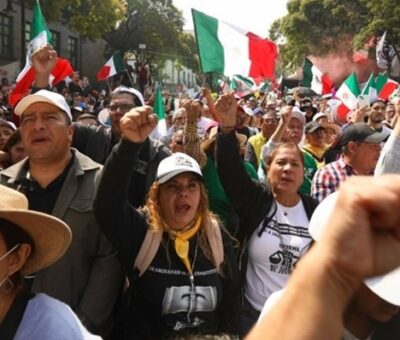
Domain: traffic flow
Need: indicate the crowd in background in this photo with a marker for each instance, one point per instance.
(215, 212)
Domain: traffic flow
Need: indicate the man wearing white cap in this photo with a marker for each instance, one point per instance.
(98, 141)
(60, 181)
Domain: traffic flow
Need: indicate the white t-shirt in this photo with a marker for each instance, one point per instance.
(273, 255)
(46, 318)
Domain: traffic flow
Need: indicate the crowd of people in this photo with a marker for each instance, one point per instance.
(110, 231)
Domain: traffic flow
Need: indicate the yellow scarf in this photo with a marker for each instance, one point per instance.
(181, 239)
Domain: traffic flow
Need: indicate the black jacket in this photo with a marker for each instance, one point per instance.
(97, 143)
(158, 305)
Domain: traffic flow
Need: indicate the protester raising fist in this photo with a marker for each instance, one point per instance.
(227, 106)
(138, 123)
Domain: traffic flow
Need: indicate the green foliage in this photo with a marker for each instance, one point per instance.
(90, 18)
(319, 27)
(159, 25)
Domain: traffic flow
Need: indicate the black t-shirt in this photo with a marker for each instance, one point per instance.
(168, 304)
(44, 199)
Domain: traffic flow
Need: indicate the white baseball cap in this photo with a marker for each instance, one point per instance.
(131, 90)
(298, 114)
(176, 164)
(319, 115)
(385, 286)
(43, 96)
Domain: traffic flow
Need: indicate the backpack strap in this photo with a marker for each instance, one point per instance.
(9, 326)
(214, 238)
(148, 251)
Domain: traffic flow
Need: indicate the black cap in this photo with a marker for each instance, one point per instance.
(312, 127)
(362, 132)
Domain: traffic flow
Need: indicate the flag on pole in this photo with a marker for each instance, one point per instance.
(229, 50)
(243, 86)
(113, 66)
(40, 37)
(264, 86)
(158, 108)
(370, 89)
(381, 58)
(315, 79)
(349, 91)
(385, 86)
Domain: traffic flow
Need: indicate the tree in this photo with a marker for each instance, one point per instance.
(320, 27)
(90, 18)
(159, 25)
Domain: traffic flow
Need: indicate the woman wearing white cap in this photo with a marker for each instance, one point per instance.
(29, 242)
(182, 269)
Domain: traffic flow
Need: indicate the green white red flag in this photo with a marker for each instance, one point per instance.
(385, 86)
(158, 108)
(40, 37)
(113, 66)
(229, 50)
(243, 86)
(370, 89)
(348, 93)
(315, 79)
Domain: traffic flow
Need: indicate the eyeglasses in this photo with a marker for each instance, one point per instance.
(122, 107)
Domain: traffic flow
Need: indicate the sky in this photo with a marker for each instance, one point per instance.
(255, 16)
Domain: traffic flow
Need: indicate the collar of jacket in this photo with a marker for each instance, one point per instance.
(81, 164)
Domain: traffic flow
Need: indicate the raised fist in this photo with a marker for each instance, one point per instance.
(137, 124)
(227, 107)
(192, 108)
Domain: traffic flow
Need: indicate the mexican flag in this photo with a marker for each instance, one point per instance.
(229, 50)
(385, 86)
(243, 86)
(349, 91)
(370, 89)
(40, 37)
(158, 108)
(315, 79)
(264, 86)
(113, 66)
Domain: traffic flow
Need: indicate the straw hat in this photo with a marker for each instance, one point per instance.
(50, 235)
(213, 134)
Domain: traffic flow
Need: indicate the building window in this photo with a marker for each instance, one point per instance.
(5, 36)
(56, 41)
(73, 51)
(28, 27)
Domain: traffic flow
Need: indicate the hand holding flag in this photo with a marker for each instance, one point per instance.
(44, 61)
(40, 39)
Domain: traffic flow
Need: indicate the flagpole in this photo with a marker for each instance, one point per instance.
(23, 43)
(129, 77)
(109, 85)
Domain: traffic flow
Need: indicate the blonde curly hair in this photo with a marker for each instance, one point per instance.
(157, 223)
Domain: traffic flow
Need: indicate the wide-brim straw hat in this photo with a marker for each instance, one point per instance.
(242, 139)
(50, 235)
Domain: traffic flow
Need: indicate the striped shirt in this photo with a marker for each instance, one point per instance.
(327, 179)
